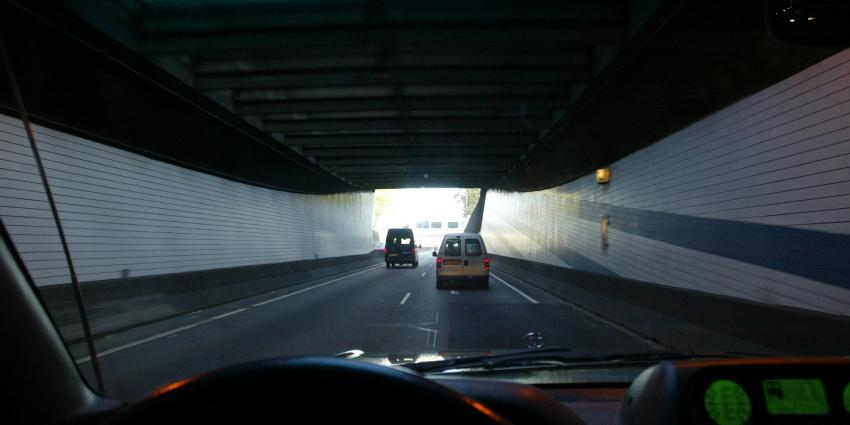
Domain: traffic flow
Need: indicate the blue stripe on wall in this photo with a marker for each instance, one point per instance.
(819, 256)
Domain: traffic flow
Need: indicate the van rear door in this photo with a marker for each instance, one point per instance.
(399, 244)
(473, 257)
(452, 257)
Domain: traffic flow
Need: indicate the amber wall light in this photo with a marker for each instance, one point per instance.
(603, 175)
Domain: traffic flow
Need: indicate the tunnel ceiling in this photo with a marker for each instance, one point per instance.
(385, 93)
(511, 94)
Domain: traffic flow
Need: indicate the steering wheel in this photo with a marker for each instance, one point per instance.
(308, 390)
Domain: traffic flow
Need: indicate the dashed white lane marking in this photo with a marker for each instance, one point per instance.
(523, 294)
(220, 316)
(455, 292)
(423, 274)
(404, 300)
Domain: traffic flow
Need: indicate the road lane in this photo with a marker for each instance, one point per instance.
(361, 309)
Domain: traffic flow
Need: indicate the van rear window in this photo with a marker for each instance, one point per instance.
(452, 248)
(401, 241)
(473, 248)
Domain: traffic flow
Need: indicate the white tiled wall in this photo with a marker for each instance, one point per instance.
(780, 157)
(128, 214)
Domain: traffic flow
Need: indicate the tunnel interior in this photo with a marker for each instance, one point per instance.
(202, 154)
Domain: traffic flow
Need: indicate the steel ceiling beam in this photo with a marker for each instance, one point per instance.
(419, 183)
(403, 56)
(469, 167)
(406, 124)
(484, 139)
(533, 114)
(417, 176)
(154, 43)
(187, 17)
(398, 181)
(365, 93)
(395, 76)
(420, 103)
(434, 159)
(470, 153)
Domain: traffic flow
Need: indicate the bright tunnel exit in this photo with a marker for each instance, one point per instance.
(430, 212)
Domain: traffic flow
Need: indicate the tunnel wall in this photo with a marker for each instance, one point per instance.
(126, 215)
(752, 202)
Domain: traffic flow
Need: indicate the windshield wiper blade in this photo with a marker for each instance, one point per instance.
(559, 356)
(490, 361)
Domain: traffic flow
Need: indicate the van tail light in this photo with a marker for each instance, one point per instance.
(414, 250)
(439, 263)
(386, 250)
(486, 263)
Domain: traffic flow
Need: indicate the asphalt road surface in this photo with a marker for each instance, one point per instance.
(373, 309)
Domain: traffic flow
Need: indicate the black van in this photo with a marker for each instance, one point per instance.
(400, 248)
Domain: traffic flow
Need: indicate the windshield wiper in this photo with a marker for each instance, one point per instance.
(562, 357)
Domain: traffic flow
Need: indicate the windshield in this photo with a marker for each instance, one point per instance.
(193, 185)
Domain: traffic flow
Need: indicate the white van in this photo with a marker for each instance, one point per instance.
(462, 257)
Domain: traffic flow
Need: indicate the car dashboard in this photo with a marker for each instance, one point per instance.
(712, 392)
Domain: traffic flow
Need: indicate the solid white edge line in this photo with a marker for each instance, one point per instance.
(220, 316)
(616, 326)
(607, 322)
(524, 295)
(301, 291)
(160, 335)
(404, 300)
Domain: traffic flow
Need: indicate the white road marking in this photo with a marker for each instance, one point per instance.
(436, 327)
(301, 291)
(604, 320)
(453, 292)
(160, 335)
(423, 274)
(524, 295)
(404, 300)
(431, 334)
(220, 316)
(616, 325)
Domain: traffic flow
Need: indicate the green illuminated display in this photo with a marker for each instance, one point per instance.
(795, 397)
(847, 398)
(727, 403)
